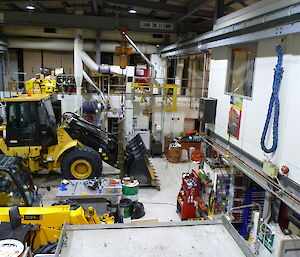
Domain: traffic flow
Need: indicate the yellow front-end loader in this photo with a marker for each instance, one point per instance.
(77, 146)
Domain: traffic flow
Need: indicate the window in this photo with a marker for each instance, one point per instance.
(50, 111)
(107, 58)
(185, 76)
(171, 72)
(25, 180)
(19, 115)
(24, 121)
(11, 186)
(241, 70)
(12, 119)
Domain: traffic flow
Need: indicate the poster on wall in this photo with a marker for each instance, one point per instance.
(235, 115)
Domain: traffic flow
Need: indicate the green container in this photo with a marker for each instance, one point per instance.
(130, 188)
(126, 207)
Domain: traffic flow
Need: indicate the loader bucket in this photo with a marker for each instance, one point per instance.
(137, 165)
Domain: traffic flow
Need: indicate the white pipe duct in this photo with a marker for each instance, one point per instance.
(138, 50)
(81, 57)
(78, 68)
(90, 81)
(89, 61)
(68, 45)
(93, 66)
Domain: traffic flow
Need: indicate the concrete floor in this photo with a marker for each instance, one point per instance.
(159, 205)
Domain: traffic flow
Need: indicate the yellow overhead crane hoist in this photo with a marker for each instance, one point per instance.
(76, 146)
(46, 222)
(123, 50)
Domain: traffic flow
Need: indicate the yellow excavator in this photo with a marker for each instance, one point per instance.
(77, 146)
(22, 219)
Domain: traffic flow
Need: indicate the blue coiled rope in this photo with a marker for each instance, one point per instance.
(274, 104)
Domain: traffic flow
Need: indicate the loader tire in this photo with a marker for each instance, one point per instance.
(81, 163)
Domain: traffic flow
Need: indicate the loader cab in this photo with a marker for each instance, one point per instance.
(16, 185)
(30, 121)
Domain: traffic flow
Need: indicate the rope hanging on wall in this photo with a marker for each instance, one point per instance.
(274, 104)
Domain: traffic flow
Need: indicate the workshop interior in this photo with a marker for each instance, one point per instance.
(149, 128)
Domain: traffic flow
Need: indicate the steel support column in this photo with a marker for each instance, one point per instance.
(219, 10)
(98, 47)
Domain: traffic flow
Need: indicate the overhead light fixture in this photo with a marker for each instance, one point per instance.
(131, 10)
(30, 7)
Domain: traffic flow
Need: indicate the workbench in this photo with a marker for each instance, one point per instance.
(184, 145)
(212, 238)
(78, 191)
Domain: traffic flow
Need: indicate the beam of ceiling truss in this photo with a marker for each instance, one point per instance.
(159, 6)
(87, 22)
(193, 7)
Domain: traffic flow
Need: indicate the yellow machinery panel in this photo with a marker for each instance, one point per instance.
(40, 86)
(26, 98)
(54, 216)
(45, 235)
(23, 151)
(51, 220)
(169, 94)
(55, 152)
(31, 152)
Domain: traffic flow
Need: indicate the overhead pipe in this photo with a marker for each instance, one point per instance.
(138, 50)
(68, 45)
(104, 68)
(142, 54)
(81, 57)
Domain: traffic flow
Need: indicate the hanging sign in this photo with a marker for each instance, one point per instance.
(235, 115)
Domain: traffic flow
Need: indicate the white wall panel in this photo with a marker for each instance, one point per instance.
(255, 110)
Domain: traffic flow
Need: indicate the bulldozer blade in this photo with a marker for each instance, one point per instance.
(137, 165)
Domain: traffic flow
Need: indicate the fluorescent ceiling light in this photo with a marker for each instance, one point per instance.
(131, 10)
(30, 7)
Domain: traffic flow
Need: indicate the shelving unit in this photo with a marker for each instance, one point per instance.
(188, 200)
(232, 189)
(110, 84)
